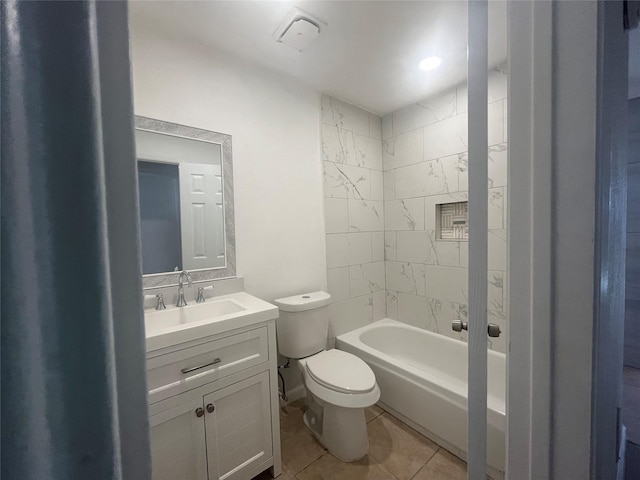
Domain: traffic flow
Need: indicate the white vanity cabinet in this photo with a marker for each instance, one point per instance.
(213, 406)
(178, 444)
(238, 428)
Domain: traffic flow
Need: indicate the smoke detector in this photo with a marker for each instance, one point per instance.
(298, 29)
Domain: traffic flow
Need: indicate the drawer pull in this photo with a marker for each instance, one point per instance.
(193, 369)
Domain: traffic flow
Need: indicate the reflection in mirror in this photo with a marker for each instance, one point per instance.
(182, 199)
(159, 217)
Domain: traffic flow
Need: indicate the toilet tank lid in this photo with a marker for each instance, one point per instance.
(302, 302)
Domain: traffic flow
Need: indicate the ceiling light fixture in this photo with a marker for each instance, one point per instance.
(430, 63)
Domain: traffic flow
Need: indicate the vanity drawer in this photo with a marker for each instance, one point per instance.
(182, 370)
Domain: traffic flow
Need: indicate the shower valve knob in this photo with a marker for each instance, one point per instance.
(493, 330)
(459, 325)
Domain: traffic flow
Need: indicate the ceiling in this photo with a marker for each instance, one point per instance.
(367, 55)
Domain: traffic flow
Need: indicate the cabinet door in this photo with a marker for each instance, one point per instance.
(239, 428)
(178, 449)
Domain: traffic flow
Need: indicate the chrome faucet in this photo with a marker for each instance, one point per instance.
(184, 275)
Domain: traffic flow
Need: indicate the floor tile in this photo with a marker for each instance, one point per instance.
(443, 466)
(287, 473)
(372, 412)
(329, 467)
(299, 448)
(631, 376)
(632, 462)
(284, 475)
(291, 415)
(399, 449)
(266, 475)
(631, 403)
(298, 451)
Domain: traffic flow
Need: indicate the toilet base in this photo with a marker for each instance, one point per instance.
(343, 431)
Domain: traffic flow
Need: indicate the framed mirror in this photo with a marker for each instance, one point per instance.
(185, 182)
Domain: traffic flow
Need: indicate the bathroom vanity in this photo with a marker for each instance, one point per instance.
(211, 362)
(213, 391)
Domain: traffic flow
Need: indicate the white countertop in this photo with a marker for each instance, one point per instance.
(175, 325)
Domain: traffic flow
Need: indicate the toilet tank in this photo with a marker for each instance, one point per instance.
(303, 324)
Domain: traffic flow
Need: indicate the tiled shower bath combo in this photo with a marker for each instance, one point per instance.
(383, 180)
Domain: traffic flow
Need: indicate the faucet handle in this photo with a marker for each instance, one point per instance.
(160, 302)
(200, 298)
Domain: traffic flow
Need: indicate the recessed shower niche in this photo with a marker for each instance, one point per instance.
(452, 221)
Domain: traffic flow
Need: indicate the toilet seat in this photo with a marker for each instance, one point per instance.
(330, 394)
(341, 371)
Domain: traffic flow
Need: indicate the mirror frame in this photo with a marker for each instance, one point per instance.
(168, 279)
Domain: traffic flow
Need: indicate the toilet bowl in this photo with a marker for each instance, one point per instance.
(338, 385)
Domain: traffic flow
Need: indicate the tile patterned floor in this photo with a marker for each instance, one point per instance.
(396, 452)
(631, 403)
(631, 418)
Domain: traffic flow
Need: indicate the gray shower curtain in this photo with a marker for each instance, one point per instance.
(72, 337)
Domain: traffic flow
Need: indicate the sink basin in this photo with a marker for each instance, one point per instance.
(176, 316)
(176, 325)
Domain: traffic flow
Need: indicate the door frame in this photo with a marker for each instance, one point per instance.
(566, 255)
(610, 244)
(529, 240)
(477, 66)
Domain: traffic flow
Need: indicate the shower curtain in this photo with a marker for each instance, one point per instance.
(72, 337)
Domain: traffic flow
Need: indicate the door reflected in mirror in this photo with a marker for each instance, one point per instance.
(182, 201)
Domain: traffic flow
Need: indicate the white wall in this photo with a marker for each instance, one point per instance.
(275, 125)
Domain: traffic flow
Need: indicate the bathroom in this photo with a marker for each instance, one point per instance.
(360, 179)
(330, 316)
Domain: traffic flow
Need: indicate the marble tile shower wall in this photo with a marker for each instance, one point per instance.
(425, 163)
(354, 211)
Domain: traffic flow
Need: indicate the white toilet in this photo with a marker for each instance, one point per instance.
(339, 385)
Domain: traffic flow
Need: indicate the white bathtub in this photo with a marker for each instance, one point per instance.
(423, 381)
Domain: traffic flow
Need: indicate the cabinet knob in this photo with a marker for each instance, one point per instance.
(210, 408)
(199, 412)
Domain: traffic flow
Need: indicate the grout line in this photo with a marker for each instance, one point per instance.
(324, 452)
(381, 412)
(427, 462)
(316, 460)
(382, 467)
